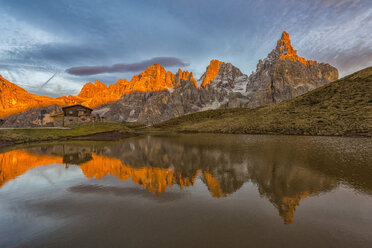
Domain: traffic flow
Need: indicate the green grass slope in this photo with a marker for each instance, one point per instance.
(343, 107)
(10, 136)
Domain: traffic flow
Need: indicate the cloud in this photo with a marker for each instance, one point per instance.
(40, 37)
(54, 52)
(337, 3)
(352, 60)
(134, 67)
(32, 78)
(344, 44)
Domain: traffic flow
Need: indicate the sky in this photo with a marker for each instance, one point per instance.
(54, 47)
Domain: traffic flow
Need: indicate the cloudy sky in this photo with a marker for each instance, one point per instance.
(72, 42)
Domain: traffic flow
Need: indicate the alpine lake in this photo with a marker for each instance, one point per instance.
(188, 190)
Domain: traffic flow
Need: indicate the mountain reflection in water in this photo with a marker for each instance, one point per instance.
(284, 172)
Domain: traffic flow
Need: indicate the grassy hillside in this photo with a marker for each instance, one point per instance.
(343, 107)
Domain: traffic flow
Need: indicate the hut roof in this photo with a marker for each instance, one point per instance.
(76, 105)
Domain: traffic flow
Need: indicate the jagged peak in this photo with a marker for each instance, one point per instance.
(180, 72)
(212, 71)
(285, 51)
(154, 78)
(99, 83)
(285, 35)
(191, 78)
(89, 89)
(284, 46)
(184, 75)
(156, 67)
(150, 71)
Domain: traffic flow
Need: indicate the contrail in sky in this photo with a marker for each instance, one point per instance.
(48, 80)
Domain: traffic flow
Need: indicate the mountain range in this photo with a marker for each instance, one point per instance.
(340, 108)
(156, 95)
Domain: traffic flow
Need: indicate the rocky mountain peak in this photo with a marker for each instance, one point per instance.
(14, 99)
(90, 89)
(100, 84)
(283, 75)
(285, 51)
(184, 75)
(156, 95)
(154, 78)
(211, 73)
(229, 79)
(154, 69)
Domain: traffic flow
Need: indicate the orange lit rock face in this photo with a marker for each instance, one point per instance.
(16, 163)
(90, 90)
(288, 206)
(184, 75)
(15, 99)
(213, 185)
(94, 95)
(155, 180)
(154, 78)
(211, 72)
(287, 52)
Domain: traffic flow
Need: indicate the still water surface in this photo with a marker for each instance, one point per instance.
(189, 191)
